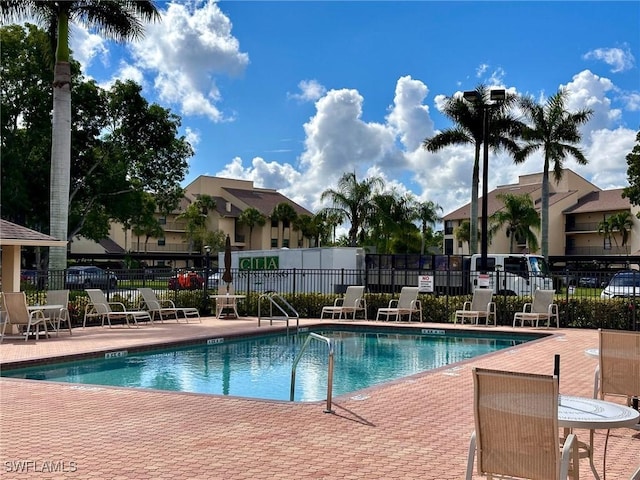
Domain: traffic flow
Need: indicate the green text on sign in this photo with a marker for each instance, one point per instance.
(259, 263)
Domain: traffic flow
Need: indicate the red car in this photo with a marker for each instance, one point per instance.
(186, 280)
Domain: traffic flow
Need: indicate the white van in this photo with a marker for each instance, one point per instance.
(511, 274)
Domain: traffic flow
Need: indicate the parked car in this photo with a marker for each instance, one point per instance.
(186, 280)
(214, 280)
(623, 284)
(90, 277)
(34, 277)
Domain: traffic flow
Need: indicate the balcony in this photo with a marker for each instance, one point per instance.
(596, 251)
(582, 227)
(155, 248)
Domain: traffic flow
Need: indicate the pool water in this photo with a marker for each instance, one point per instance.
(261, 367)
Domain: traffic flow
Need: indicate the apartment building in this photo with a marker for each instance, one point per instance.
(576, 209)
(231, 197)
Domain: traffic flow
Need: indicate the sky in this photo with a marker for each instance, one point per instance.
(293, 94)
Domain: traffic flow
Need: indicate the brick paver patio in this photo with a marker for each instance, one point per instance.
(418, 427)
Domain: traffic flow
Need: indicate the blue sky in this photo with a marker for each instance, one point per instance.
(293, 94)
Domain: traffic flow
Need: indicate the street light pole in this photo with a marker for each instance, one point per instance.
(496, 96)
(207, 265)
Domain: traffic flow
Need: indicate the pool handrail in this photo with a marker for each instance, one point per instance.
(329, 341)
(272, 296)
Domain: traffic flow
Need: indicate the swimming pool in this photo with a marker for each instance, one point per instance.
(260, 367)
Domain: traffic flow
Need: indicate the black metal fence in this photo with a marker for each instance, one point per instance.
(578, 293)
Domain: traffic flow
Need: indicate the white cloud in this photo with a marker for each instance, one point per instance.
(185, 52)
(310, 91)
(85, 46)
(619, 59)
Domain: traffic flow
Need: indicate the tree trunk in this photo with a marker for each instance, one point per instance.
(60, 163)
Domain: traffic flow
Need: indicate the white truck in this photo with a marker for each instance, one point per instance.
(511, 274)
(321, 270)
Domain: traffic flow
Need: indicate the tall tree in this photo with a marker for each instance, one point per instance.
(462, 232)
(352, 201)
(116, 19)
(632, 192)
(469, 120)
(284, 214)
(621, 223)
(427, 215)
(518, 217)
(252, 218)
(556, 132)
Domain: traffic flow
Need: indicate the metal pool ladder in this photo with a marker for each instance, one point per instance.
(330, 371)
(285, 310)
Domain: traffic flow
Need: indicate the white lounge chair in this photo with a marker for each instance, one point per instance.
(480, 306)
(540, 308)
(407, 304)
(98, 306)
(16, 313)
(352, 302)
(165, 309)
(516, 420)
(618, 372)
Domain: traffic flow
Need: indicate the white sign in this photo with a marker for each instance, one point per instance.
(483, 280)
(425, 283)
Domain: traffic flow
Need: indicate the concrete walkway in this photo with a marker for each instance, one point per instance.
(418, 427)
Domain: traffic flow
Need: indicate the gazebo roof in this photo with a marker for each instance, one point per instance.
(13, 234)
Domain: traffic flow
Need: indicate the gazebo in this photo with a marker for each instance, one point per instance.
(12, 238)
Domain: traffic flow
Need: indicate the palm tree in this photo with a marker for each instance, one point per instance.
(555, 131)
(252, 217)
(352, 201)
(469, 120)
(427, 214)
(518, 217)
(117, 19)
(285, 213)
(620, 222)
(462, 232)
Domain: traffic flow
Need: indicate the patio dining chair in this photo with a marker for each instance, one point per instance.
(165, 309)
(17, 314)
(542, 307)
(407, 304)
(352, 302)
(99, 307)
(516, 427)
(60, 314)
(618, 371)
(480, 306)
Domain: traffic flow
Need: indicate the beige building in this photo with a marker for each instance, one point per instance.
(576, 209)
(232, 197)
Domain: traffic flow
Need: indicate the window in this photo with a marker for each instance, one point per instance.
(274, 243)
(274, 223)
(448, 246)
(285, 243)
(161, 242)
(448, 227)
(162, 220)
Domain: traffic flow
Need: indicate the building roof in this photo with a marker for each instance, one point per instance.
(225, 208)
(601, 201)
(265, 200)
(110, 246)
(13, 234)
(495, 203)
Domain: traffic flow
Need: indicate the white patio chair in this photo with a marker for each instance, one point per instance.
(480, 306)
(352, 302)
(540, 308)
(407, 304)
(516, 421)
(98, 306)
(165, 309)
(59, 297)
(16, 313)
